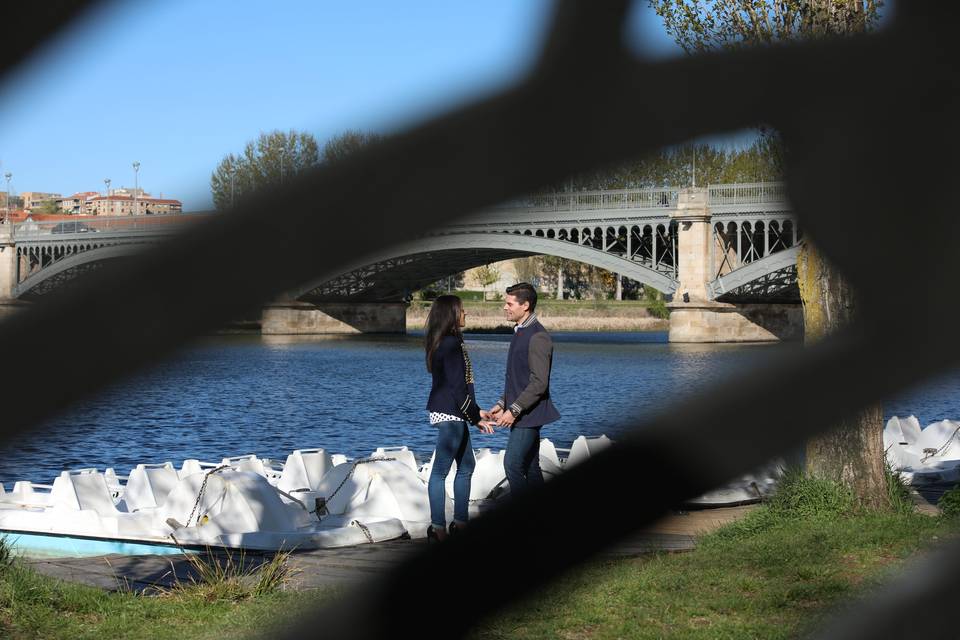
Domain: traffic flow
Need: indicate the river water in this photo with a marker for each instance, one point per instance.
(236, 395)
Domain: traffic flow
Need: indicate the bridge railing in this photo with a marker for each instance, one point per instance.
(98, 224)
(591, 200)
(746, 193)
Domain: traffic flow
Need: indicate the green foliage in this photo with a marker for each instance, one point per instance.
(798, 497)
(486, 275)
(898, 493)
(47, 207)
(949, 503)
(657, 306)
(707, 25)
(802, 496)
(688, 164)
(275, 157)
(227, 576)
(777, 583)
(6, 555)
(270, 159)
(36, 606)
(347, 143)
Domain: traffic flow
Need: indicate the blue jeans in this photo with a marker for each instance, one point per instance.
(522, 460)
(453, 444)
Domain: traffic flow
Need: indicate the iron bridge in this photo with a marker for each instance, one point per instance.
(631, 232)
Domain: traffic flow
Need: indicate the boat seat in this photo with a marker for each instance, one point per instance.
(584, 447)
(27, 493)
(85, 490)
(191, 466)
(246, 463)
(304, 469)
(148, 485)
(548, 453)
(402, 454)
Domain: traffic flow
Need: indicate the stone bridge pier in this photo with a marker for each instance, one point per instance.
(288, 316)
(8, 272)
(694, 317)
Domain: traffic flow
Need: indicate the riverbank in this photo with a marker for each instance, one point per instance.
(567, 315)
(769, 575)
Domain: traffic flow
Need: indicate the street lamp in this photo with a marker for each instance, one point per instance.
(106, 181)
(8, 175)
(233, 176)
(136, 172)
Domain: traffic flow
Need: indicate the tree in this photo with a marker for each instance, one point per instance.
(275, 157)
(270, 159)
(486, 276)
(852, 452)
(346, 143)
(688, 164)
(48, 207)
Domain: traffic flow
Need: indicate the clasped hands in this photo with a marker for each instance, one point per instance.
(496, 417)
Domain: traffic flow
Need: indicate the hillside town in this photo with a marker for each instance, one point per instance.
(122, 201)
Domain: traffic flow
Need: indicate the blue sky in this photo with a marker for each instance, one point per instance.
(176, 85)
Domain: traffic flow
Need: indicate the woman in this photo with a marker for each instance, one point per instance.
(452, 405)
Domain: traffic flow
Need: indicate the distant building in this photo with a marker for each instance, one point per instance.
(121, 204)
(16, 202)
(77, 203)
(34, 199)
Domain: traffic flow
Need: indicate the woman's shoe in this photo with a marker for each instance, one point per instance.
(431, 535)
(454, 529)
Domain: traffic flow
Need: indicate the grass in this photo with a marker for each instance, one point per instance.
(227, 599)
(229, 576)
(774, 574)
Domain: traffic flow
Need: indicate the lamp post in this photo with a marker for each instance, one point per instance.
(233, 177)
(136, 172)
(8, 175)
(106, 181)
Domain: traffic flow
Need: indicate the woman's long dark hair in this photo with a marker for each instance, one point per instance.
(443, 320)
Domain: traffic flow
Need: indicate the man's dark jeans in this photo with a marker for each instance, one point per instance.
(522, 460)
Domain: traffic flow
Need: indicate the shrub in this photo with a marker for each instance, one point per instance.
(228, 577)
(949, 503)
(656, 306)
(6, 555)
(897, 491)
(802, 496)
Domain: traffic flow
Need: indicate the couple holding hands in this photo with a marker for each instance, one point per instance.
(524, 407)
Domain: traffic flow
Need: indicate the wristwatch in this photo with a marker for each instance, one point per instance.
(515, 412)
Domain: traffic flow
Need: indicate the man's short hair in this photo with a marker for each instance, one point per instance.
(524, 292)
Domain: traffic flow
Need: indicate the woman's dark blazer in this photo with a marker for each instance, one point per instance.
(451, 392)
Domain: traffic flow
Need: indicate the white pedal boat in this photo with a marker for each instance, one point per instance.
(312, 500)
(923, 456)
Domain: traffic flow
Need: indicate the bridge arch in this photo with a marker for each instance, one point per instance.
(461, 251)
(34, 284)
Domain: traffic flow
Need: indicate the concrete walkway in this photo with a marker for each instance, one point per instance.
(338, 567)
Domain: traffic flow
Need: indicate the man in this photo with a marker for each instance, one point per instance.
(525, 405)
